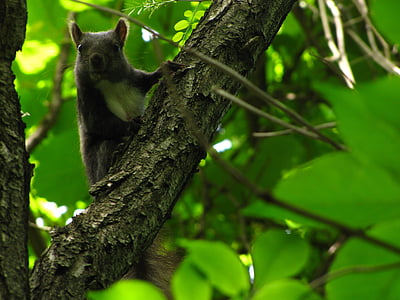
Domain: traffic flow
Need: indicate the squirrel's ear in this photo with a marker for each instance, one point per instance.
(75, 32)
(122, 30)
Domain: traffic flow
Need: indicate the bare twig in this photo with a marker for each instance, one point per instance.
(290, 131)
(375, 55)
(371, 29)
(338, 51)
(301, 130)
(56, 101)
(352, 270)
(42, 228)
(263, 114)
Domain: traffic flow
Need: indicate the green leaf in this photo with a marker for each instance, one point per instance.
(178, 36)
(339, 187)
(128, 290)
(188, 279)
(386, 15)
(73, 6)
(261, 209)
(182, 24)
(35, 55)
(220, 265)
(277, 255)
(59, 176)
(188, 13)
(368, 121)
(380, 278)
(286, 289)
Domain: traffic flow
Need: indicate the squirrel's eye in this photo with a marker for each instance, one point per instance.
(116, 47)
(79, 47)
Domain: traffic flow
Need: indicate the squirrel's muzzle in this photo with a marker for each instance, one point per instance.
(97, 63)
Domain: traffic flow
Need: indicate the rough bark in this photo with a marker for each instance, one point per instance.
(137, 197)
(15, 170)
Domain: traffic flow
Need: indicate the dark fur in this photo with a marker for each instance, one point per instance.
(100, 58)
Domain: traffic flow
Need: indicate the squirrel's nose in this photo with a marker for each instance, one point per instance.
(97, 62)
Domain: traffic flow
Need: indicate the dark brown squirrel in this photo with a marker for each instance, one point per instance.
(110, 98)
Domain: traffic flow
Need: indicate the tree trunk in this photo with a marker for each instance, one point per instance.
(137, 197)
(15, 171)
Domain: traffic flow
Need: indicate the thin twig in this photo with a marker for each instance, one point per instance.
(56, 101)
(352, 270)
(263, 114)
(376, 56)
(327, 30)
(343, 61)
(339, 51)
(371, 29)
(290, 131)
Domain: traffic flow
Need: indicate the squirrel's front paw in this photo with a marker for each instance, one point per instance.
(173, 66)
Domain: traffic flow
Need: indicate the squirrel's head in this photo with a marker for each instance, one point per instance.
(100, 54)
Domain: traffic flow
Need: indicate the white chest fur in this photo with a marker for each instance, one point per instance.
(123, 100)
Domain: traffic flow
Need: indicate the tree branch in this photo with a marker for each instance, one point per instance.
(56, 101)
(15, 170)
(133, 202)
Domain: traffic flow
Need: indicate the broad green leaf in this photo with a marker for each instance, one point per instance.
(35, 55)
(277, 255)
(188, 279)
(289, 151)
(369, 122)
(73, 6)
(286, 289)
(128, 290)
(367, 271)
(220, 265)
(47, 22)
(337, 186)
(261, 209)
(59, 177)
(387, 231)
(386, 15)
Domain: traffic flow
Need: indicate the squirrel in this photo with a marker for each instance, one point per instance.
(111, 96)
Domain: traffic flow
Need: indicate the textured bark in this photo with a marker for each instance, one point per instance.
(15, 170)
(137, 197)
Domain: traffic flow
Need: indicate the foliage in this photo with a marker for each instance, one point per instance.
(333, 231)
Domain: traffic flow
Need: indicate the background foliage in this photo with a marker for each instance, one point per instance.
(337, 237)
